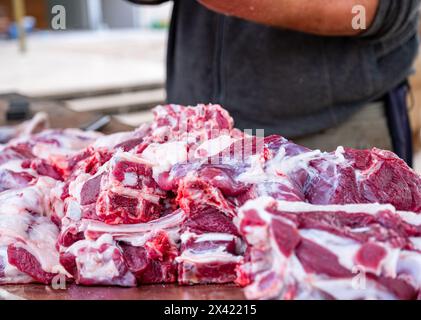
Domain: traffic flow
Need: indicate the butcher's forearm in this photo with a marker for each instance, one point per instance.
(323, 17)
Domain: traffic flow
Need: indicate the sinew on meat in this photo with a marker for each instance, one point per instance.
(190, 199)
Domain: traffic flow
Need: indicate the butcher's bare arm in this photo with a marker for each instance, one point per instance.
(321, 17)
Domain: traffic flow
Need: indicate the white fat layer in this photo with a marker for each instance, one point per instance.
(218, 255)
(70, 141)
(207, 237)
(19, 201)
(256, 235)
(344, 248)
(13, 226)
(285, 164)
(121, 155)
(416, 241)
(132, 193)
(139, 240)
(170, 221)
(130, 179)
(346, 289)
(409, 266)
(93, 264)
(15, 166)
(260, 205)
(97, 266)
(74, 211)
(77, 246)
(164, 156)
(365, 174)
(213, 147)
(410, 217)
(256, 172)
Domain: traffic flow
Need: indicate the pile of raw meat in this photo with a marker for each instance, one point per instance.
(188, 199)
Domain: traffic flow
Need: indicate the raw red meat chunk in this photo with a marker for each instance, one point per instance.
(128, 194)
(98, 262)
(348, 176)
(30, 166)
(188, 199)
(303, 251)
(122, 191)
(211, 248)
(25, 158)
(196, 124)
(363, 176)
(27, 236)
(124, 255)
(383, 177)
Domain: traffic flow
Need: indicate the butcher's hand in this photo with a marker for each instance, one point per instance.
(322, 17)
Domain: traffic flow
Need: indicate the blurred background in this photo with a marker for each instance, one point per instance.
(108, 60)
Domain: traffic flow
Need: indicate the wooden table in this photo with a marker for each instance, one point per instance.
(146, 292)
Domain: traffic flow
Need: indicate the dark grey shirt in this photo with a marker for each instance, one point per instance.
(286, 82)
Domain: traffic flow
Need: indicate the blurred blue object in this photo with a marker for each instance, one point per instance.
(28, 23)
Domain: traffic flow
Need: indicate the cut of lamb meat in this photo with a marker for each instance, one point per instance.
(122, 191)
(27, 238)
(191, 124)
(23, 159)
(183, 134)
(239, 172)
(195, 194)
(383, 177)
(348, 176)
(13, 172)
(30, 166)
(14, 180)
(130, 233)
(56, 144)
(189, 199)
(211, 248)
(98, 262)
(154, 261)
(303, 251)
(128, 193)
(362, 176)
(124, 255)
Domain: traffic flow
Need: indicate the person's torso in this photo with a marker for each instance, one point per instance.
(283, 81)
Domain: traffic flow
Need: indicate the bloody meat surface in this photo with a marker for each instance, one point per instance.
(189, 199)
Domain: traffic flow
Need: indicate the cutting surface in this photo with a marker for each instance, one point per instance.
(146, 292)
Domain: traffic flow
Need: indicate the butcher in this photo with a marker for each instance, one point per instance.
(322, 72)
